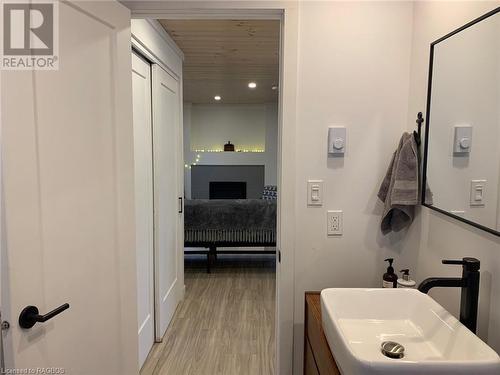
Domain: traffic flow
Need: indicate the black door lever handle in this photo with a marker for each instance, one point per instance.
(30, 315)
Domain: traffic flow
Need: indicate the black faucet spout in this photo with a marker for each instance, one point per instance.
(445, 282)
(469, 284)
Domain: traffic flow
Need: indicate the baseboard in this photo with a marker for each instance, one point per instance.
(183, 292)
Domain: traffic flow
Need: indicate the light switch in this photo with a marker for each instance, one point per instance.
(336, 140)
(315, 192)
(477, 191)
(462, 139)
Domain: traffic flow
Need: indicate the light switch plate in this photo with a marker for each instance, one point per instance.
(477, 191)
(315, 192)
(337, 140)
(462, 140)
(334, 223)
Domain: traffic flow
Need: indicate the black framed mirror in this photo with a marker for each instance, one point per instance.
(461, 164)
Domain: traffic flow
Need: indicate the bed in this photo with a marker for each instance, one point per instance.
(214, 223)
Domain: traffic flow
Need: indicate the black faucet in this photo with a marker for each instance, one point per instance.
(469, 282)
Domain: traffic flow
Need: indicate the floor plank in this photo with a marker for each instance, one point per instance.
(225, 325)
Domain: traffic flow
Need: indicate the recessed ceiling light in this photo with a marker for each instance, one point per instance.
(217, 97)
(252, 85)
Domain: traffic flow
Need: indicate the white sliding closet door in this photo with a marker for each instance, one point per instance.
(143, 157)
(166, 141)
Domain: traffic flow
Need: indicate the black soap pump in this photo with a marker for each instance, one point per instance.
(390, 279)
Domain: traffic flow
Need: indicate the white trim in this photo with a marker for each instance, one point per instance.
(3, 250)
(193, 10)
(287, 13)
(183, 292)
(150, 56)
(285, 292)
(167, 38)
(208, 14)
(154, 43)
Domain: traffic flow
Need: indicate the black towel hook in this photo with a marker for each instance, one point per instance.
(417, 134)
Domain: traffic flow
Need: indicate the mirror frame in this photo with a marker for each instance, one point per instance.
(427, 125)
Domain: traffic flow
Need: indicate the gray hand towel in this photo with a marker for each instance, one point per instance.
(400, 188)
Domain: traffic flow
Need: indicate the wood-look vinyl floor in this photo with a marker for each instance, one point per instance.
(224, 325)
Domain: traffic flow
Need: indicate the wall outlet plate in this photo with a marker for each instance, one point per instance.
(334, 223)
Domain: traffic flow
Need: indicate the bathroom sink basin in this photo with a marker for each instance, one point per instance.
(357, 321)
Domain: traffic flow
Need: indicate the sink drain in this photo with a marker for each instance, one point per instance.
(393, 349)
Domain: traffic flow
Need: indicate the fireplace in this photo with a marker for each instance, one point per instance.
(227, 190)
(202, 176)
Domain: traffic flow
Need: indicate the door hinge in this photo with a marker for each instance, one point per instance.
(279, 256)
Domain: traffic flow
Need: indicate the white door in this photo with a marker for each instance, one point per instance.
(69, 199)
(143, 156)
(166, 130)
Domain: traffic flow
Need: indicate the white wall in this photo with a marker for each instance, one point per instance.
(356, 68)
(212, 125)
(253, 126)
(354, 63)
(364, 65)
(441, 237)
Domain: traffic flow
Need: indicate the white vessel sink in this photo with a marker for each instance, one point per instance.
(357, 321)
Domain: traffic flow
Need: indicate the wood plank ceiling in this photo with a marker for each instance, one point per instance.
(222, 56)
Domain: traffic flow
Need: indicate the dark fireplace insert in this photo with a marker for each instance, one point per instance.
(227, 190)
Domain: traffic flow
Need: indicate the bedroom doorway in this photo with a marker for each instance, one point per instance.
(230, 130)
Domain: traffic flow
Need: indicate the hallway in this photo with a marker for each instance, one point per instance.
(225, 324)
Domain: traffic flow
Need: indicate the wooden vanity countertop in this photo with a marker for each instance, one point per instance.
(315, 336)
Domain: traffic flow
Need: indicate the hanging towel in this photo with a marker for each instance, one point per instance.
(399, 190)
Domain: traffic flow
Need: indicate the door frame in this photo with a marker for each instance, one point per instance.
(287, 14)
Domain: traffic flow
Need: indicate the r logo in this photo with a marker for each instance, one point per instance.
(28, 29)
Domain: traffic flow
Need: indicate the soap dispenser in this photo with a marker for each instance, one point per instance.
(390, 279)
(405, 281)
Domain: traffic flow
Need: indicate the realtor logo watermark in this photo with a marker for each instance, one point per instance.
(30, 35)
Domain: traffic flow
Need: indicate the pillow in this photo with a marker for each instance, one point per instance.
(270, 192)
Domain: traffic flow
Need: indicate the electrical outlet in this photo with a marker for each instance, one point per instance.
(334, 223)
